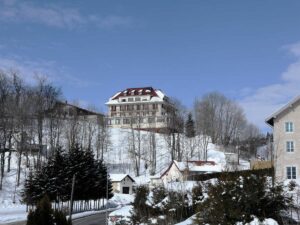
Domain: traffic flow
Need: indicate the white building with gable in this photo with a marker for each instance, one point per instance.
(122, 183)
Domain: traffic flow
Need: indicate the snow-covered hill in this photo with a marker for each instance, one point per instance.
(121, 141)
(120, 158)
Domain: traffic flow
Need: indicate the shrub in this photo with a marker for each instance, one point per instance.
(44, 215)
(60, 218)
(237, 199)
(140, 213)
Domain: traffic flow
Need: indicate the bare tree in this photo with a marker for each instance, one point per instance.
(4, 120)
(221, 119)
(45, 98)
(134, 146)
(176, 118)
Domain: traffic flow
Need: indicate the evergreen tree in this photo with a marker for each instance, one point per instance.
(42, 215)
(140, 213)
(55, 178)
(238, 198)
(54, 171)
(190, 126)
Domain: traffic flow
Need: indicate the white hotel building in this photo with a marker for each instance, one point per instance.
(143, 108)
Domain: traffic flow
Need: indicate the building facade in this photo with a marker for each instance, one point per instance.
(286, 141)
(122, 183)
(140, 108)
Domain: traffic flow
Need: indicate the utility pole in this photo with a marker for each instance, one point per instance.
(106, 216)
(71, 201)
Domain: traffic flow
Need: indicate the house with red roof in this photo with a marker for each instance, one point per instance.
(182, 171)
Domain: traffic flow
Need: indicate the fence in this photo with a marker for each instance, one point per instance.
(208, 176)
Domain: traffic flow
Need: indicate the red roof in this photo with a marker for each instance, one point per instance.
(137, 91)
(197, 162)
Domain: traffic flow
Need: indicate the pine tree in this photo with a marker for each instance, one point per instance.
(140, 212)
(43, 215)
(233, 199)
(190, 126)
(55, 178)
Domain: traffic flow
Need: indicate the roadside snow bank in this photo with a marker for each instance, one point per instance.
(121, 199)
(257, 222)
(189, 221)
(120, 215)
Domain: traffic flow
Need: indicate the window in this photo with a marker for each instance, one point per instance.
(137, 99)
(109, 122)
(151, 120)
(113, 108)
(130, 99)
(126, 121)
(290, 146)
(138, 107)
(291, 172)
(123, 100)
(289, 127)
(154, 106)
(118, 121)
(129, 107)
(160, 119)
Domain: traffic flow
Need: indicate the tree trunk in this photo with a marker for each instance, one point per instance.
(2, 167)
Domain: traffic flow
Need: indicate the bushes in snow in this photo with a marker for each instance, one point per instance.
(159, 206)
(140, 211)
(44, 215)
(232, 199)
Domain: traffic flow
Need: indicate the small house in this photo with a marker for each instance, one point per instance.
(122, 183)
(183, 171)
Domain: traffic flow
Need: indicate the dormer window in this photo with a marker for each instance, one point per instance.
(289, 127)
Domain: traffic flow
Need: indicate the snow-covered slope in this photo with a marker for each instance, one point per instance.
(121, 144)
(117, 154)
(10, 193)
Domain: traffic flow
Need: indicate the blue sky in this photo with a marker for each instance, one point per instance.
(248, 50)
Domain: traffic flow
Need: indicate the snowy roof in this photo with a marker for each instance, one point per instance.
(270, 119)
(156, 95)
(119, 177)
(196, 166)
